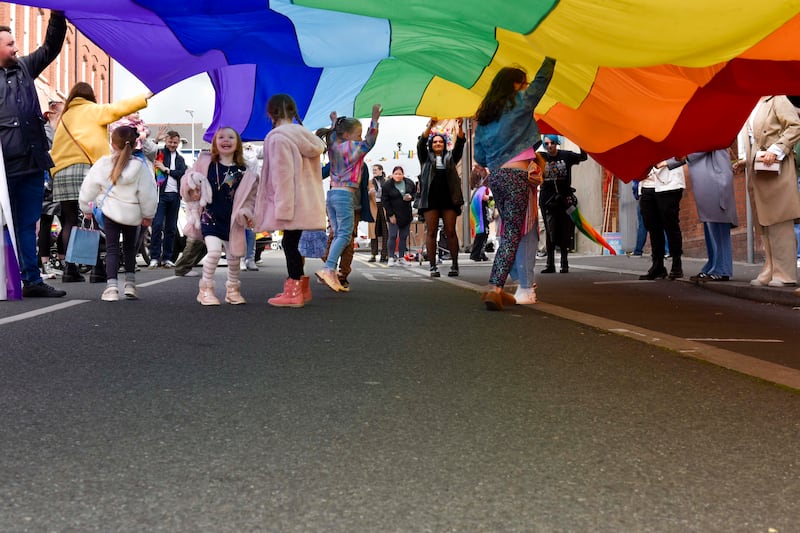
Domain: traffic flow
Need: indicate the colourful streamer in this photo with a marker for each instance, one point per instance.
(583, 225)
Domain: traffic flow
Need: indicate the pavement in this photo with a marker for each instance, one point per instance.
(738, 286)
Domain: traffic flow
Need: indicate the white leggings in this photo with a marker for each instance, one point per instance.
(214, 246)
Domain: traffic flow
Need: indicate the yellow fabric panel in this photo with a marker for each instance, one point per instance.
(570, 85)
(625, 33)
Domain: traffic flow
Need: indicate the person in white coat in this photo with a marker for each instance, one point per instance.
(122, 185)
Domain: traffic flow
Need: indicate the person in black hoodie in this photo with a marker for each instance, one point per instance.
(396, 197)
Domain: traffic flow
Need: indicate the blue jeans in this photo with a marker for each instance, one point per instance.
(340, 214)
(525, 262)
(250, 244)
(26, 193)
(398, 237)
(166, 221)
(797, 236)
(718, 248)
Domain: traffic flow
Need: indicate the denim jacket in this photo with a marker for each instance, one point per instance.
(498, 142)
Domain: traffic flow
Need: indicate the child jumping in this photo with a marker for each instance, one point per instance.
(346, 151)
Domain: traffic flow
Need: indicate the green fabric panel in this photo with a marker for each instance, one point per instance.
(521, 16)
(396, 85)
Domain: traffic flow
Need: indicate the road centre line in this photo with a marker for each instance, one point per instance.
(42, 311)
(712, 339)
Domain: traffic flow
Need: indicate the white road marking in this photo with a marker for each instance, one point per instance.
(42, 311)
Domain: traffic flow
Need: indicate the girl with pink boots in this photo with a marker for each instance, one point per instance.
(290, 195)
(229, 181)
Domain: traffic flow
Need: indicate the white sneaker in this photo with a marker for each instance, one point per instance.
(111, 294)
(130, 290)
(394, 261)
(169, 264)
(402, 262)
(526, 296)
(153, 264)
(192, 274)
(250, 265)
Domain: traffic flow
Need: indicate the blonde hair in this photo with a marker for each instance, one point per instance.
(238, 153)
(123, 139)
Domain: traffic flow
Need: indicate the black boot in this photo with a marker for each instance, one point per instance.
(564, 263)
(657, 270)
(677, 269)
(71, 274)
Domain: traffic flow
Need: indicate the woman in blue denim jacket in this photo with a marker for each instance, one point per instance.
(505, 141)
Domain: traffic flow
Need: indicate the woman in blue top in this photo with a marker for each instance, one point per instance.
(505, 141)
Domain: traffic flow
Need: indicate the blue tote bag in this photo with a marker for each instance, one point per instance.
(83, 246)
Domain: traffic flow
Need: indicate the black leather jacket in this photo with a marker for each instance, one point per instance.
(25, 147)
(427, 161)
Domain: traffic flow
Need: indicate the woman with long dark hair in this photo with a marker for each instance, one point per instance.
(506, 139)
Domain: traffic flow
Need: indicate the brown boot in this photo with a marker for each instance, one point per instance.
(292, 295)
(306, 289)
(205, 295)
(232, 294)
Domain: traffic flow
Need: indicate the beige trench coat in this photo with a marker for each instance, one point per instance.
(774, 196)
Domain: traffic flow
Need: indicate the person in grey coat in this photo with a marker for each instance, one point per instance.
(712, 182)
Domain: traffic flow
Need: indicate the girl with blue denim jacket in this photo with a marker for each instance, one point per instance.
(505, 141)
(346, 151)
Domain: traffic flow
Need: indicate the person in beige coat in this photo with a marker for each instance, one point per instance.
(769, 137)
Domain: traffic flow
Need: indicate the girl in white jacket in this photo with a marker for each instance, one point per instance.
(123, 183)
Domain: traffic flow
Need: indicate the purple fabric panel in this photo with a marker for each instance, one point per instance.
(234, 86)
(161, 60)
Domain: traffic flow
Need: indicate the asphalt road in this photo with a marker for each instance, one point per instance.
(400, 406)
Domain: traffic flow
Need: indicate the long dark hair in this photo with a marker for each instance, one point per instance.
(80, 90)
(501, 93)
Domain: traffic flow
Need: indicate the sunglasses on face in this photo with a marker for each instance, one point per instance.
(548, 144)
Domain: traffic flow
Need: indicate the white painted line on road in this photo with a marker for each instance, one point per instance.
(744, 364)
(712, 339)
(42, 311)
(573, 265)
(157, 281)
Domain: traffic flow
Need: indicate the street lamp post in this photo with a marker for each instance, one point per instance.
(191, 114)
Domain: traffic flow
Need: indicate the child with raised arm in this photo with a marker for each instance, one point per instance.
(346, 151)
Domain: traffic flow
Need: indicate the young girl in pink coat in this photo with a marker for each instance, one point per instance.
(230, 181)
(290, 196)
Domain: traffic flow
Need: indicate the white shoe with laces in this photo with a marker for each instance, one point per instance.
(130, 290)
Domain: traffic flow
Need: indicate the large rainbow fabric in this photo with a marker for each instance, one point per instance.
(635, 81)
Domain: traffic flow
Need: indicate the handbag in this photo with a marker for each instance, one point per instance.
(313, 243)
(83, 246)
(97, 210)
(761, 166)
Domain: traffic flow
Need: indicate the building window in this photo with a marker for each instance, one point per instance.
(26, 31)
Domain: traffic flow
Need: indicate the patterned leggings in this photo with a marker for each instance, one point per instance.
(510, 189)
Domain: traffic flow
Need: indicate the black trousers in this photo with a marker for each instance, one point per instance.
(661, 214)
(558, 229)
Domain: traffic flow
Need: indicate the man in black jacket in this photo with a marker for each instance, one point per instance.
(25, 147)
(172, 167)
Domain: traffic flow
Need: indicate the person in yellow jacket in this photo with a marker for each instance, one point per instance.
(81, 139)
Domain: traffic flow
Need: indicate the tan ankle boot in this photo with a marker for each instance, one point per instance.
(232, 294)
(205, 295)
(292, 295)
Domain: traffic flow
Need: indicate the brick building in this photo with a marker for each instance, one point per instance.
(79, 60)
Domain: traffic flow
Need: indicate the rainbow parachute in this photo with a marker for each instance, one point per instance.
(635, 81)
